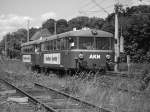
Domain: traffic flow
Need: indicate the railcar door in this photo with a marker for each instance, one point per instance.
(37, 55)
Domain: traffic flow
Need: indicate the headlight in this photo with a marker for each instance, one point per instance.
(81, 56)
(108, 56)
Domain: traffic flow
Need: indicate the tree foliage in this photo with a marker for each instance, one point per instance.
(82, 21)
(49, 24)
(137, 33)
(32, 31)
(61, 26)
(78, 22)
(134, 22)
(12, 41)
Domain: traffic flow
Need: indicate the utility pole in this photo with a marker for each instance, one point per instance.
(55, 27)
(117, 53)
(121, 42)
(28, 22)
(5, 46)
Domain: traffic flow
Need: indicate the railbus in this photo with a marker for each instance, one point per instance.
(85, 49)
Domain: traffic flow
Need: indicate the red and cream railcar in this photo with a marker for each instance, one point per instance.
(80, 49)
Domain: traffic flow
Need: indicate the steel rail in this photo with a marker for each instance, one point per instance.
(76, 99)
(30, 97)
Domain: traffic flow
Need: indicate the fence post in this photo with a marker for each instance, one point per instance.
(128, 64)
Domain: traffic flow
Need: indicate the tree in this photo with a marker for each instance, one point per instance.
(95, 23)
(32, 31)
(83, 21)
(135, 25)
(62, 26)
(78, 22)
(49, 24)
(13, 41)
(137, 34)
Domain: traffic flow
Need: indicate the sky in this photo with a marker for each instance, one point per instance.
(14, 14)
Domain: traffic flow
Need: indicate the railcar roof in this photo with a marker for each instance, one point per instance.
(82, 33)
(77, 33)
(31, 42)
(87, 33)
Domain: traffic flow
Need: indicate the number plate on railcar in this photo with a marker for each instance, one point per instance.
(94, 56)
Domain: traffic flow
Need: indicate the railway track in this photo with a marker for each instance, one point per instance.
(79, 103)
(54, 101)
(8, 97)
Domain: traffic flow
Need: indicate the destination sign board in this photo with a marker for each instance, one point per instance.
(53, 58)
(26, 58)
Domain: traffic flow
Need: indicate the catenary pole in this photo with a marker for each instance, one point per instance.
(28, 22)
(117, 53)
(55, 28)
(5, 45)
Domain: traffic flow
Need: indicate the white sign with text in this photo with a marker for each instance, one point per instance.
(94, 56)
(53, 58)
(26, 58)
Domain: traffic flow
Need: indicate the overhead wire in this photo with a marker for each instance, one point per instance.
(109, 6)
(86, 5)
(100, 6)
(93, 7)
(94, 11)
(103, 1)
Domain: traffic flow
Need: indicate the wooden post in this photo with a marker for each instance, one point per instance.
(128, 64)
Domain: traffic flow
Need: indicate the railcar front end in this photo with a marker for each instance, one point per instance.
(90, 60)
(30, 51)
(27, 52)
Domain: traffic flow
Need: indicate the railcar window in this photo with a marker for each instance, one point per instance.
(58, 44)
(51, 45)
(37, 48)
(28, 49)
(65, 43)
(44, 46)
(48, 46)
(54, 44)
(62, 43)
(103, 43)
(67, 46)
(72, 42)
(86, 43)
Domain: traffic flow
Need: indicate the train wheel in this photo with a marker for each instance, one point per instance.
(32, 68)
(70, 72)
(39, 69)
(61, 73)
(46, 71)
